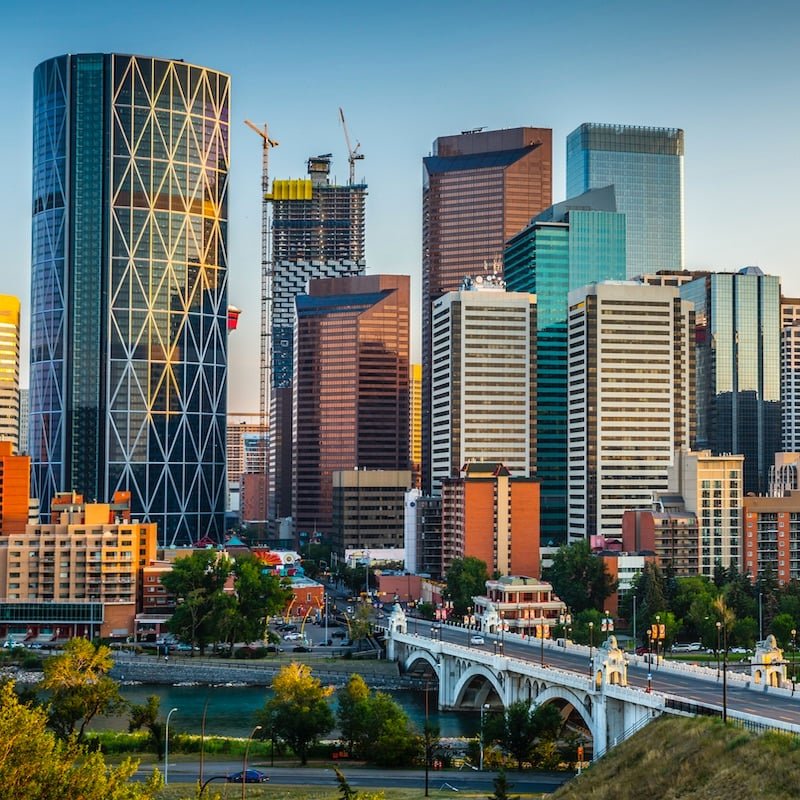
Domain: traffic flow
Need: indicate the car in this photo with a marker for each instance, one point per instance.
(301, 648)
(338, 635)
(739, 651)
(642, 650)
(186, 648)
(290, 637)
(349, 609)
(273, 648)
(249, 776)
(476, 639)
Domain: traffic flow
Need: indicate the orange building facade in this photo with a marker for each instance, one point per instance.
(772, 536)
(15, 474)
(490, 515)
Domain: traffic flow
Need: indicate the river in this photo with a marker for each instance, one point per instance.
(232, 709)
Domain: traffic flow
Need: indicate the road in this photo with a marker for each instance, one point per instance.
(690, 688)
(364, 778)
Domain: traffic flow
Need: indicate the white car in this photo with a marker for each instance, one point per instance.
(292, 636)
(476, 639)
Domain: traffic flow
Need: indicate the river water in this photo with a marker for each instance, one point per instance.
(232, 709)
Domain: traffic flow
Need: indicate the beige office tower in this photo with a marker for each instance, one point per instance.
(631, 399)
(9, 369)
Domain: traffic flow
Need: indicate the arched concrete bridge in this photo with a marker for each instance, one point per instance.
(602, 704)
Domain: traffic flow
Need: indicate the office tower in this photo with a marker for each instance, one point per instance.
(129, 287)
(738, 368)
(317, 232)
(711, 488)
(645, 165)
(9, 370)
(369, 513)
(565, 247)
(669, 531)
(415, 432)
(784, 474)
(246, 450)
(483, 387)
(631, 393)
(350, 388)
(479, 189)
(790, 375)
(491, 515)
(24, 412)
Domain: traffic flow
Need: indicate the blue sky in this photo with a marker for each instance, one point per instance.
(727, 72)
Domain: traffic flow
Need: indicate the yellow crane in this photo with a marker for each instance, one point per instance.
(352, 152)
(266, 280)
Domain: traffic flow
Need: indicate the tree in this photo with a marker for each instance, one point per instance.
(347, 792)
(466, 579)
(298, 712)
(374, 726)
(147, 716)
(36, 765)
(502, 787)
(579, 578)
(79, 687)
(782, 626)
(521, 727)
(196, 581)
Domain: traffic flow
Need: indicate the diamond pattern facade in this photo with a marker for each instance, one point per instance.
(129, 287)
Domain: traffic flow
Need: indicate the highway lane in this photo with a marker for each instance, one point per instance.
(703, 688)
(528, 782)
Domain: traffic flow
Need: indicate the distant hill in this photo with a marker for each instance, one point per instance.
(677, 757)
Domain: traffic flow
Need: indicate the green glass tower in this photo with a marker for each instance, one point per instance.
(128, 364)
(567, 246)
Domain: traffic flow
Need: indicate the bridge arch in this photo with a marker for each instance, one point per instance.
(465, 681)
(555, 694)
(421, 655)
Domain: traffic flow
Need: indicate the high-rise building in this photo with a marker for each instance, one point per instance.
(415, 432)
(9, 370)
(15, 474)
(565, 247)
(24, 412)
(479, 189)
(318, 231)
(711, 488)
(631, 399)
(772, 537)
(738, 368)
(491, 515)
(129, 287)
(483, 387)
(645, 165)
(247, 452)
(350, 388)
(790, 374)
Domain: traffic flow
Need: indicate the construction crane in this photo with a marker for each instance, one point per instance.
(266, 279)
(352, 153)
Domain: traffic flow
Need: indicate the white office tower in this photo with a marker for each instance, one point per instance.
(631, 398)
(790, 375)
(483, 388)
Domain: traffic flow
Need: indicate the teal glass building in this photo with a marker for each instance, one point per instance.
(738, 368)
(567, 246)
(645, 166)
(128, 362)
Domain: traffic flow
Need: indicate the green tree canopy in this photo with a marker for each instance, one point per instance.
(466, 579)
(79, 687)
(521, 727)
(35, 765)
(579, 578)
(147, 716)
(298, 712)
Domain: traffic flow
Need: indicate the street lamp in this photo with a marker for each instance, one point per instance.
(244, 760)
(724, 631)
(166, 747)
(565, 620)
(649, 660)
(541, 643)
(794, 654)
(591, 648)
(483, 707)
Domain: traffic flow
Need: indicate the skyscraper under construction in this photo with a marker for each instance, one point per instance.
(317, 232)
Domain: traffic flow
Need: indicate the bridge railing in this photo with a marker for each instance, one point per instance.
(626, 734)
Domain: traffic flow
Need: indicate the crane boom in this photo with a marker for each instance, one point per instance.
(266, 288)
(352, 152)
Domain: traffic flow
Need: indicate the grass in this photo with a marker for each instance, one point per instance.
(675, 758)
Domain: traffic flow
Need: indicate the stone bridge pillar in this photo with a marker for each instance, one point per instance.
(397, 624)
(768, 667)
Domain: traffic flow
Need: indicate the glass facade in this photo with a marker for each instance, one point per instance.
(645, 166)
(350, 389)
(550, 259)
(129, 287)
(738, 368)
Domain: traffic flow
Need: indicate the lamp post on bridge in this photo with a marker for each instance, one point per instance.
(721, 628)
(794, 653)
(591, 648)
(483, 707)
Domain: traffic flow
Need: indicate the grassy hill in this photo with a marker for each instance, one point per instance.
(675, 758)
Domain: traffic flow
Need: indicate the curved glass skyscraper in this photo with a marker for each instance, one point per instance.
(129, 287)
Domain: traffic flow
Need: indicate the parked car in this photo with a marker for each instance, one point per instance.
(185, 648)
(301, 648)
(290, 637)
(249, 776)
(642, 650)
(273, 648)
(476, 639)
(338, 635)
(693, 647)
(739, 651)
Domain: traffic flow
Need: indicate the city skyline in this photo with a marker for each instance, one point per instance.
(437, 74)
